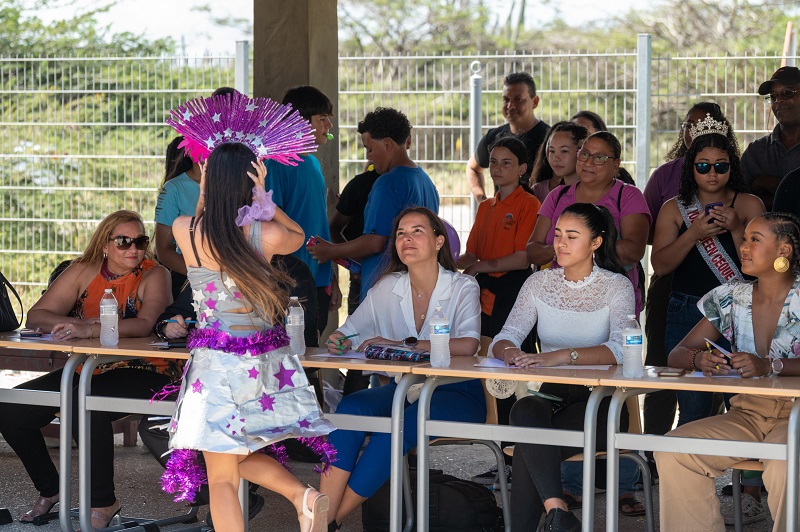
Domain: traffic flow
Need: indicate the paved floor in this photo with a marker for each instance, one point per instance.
(137, 475)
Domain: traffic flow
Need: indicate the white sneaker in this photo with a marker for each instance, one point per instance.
(752, 511)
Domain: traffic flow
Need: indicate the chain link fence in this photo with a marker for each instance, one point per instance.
(82, 137)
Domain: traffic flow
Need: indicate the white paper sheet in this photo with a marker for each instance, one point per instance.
(347, 354)
(734, 375)
(497, 363)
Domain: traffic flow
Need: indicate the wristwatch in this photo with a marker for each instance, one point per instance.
(411, 341)
(573, 356)
(776, 366)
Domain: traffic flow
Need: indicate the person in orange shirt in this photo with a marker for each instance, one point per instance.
(496, 246)
(495, 252)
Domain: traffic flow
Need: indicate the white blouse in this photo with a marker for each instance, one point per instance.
(388, 309)
(571, 314)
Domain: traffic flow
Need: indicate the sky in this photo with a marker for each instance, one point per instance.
(196, 34)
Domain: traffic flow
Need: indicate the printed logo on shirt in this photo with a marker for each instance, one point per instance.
(509, 221)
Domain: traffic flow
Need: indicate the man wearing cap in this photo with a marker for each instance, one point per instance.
(519, 102)
(767, 160)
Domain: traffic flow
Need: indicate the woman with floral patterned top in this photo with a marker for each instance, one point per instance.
(761, 319)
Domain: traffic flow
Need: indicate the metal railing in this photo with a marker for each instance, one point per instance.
(82, 137)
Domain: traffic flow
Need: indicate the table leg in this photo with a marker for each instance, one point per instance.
(612, 456)
(65, 442)
(793, 434)
(85, 445)
(589, 451)
(423, 414)
(396, 468)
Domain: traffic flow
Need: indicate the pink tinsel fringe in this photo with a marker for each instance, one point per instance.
(185, 474)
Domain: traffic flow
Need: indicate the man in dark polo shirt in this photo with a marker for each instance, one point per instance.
(519, 102)
(767, 160)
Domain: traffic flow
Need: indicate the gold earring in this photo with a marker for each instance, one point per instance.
(781, 264)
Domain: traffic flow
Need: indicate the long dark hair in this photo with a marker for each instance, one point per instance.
(513, 144)
(679, 148)
(786, 226)
(600, 223)
(175, 162)
(594, 118)
(688, 185)
(541, 168)
(444, 256)
(228, 188)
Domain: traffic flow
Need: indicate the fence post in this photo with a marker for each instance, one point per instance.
(242, 70)
(644, 55)
(475, 82)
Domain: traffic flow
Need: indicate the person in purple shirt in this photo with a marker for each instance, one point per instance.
(659, 406)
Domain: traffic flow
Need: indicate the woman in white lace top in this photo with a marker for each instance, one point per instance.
(580, 309)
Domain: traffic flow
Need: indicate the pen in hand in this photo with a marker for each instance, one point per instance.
(176, 321)
(339, 340)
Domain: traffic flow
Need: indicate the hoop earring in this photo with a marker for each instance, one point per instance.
(781, 264)
(105, 255)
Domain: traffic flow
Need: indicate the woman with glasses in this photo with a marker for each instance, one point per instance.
(697, 234)
(598, 168)
(118, 258)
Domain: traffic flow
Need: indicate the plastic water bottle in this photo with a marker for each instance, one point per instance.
(440, 339)
(295, 327)
(109, 320)
(632, 349)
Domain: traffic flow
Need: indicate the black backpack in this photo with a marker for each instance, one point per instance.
(639, 267)
(8, 318)
(455, 505)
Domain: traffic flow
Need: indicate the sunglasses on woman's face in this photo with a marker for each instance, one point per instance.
(704, 168)
(125, 242)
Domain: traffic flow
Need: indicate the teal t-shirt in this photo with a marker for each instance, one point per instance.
(301, 192)
(178, 197)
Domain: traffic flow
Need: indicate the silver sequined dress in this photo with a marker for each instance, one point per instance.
(232, 403)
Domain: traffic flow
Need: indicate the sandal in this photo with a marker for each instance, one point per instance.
(42, 506)
(105, 517)
(317, 513)
(636, 507)
(572, 502)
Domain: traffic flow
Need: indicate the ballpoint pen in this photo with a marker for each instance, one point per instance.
(176, 321)
(339, 340)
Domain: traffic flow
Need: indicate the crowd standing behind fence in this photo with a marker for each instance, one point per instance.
(84, 136)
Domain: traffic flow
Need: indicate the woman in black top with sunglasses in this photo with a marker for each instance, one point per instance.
(697, 237)
(117, 257)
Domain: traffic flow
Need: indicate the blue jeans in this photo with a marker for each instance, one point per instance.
(462, 401)
(682, 316)
(572, 476)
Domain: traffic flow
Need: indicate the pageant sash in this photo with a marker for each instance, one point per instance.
(711, 249)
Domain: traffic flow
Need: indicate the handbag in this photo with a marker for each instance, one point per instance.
(8, 318)
(396, 352)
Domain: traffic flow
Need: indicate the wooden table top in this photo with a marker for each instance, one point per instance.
(12, 339)
(770, 386)
(465, 367)
(132, 347)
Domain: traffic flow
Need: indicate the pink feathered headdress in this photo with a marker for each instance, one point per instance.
(271, 130)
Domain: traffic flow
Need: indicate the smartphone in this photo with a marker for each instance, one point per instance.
(30, 333)
(670, 372)
(711, 206)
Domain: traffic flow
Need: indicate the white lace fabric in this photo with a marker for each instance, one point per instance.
(571, 314)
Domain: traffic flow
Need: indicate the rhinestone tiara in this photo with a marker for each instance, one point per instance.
(708, 126)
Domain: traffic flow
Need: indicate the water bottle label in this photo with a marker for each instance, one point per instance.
(633, 339)
(108, 310)
(441, 329)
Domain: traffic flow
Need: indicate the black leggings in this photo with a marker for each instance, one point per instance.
(21, 426)
(537, 468)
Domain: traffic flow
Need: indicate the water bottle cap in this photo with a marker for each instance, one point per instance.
(293, 298)
(631, 316)
(108, 290)
(438, 308)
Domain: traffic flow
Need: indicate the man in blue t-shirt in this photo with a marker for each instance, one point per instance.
(402, 184)
(301, 192)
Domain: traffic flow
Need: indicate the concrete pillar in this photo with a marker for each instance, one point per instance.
(296, 43)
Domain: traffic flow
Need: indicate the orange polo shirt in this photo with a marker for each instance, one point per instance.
(501, 228)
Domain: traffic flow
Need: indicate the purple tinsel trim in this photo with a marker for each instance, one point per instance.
(184, 474)
(262, 209)
(166, 391)
(269, 129)
(254, 344)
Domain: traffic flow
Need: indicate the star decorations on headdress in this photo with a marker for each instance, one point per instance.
(269, 129)
(707, 126)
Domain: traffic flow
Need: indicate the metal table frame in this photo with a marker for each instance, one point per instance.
(586, 439)
(651, 442)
